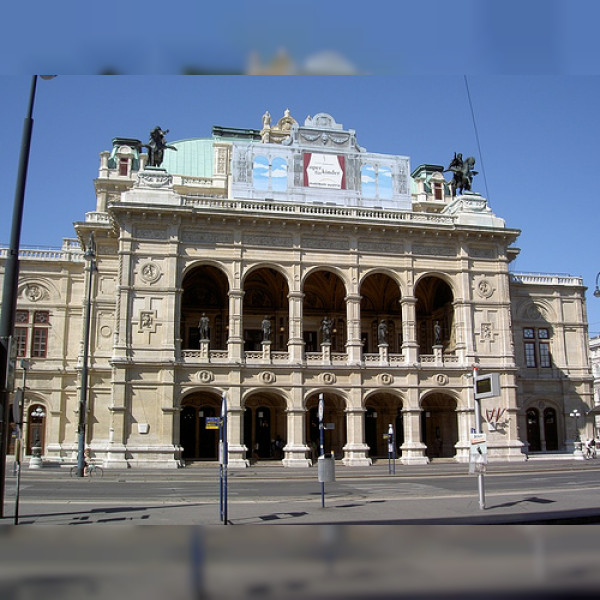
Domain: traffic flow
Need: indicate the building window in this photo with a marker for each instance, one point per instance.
(438, 191)
(39, 345)
(21, 341)
(530, 354)
(545, 360)
(537, 352)
(124, 167)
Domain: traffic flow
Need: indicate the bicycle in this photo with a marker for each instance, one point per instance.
(90, 471)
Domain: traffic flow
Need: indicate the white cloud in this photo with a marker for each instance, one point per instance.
(279, 173)
(367, 179)
(258, 165)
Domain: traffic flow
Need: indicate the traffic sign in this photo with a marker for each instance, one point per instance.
(212, 422)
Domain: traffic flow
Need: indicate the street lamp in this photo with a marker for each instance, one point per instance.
(90, 257)
(10, 289)
(597, 290)
(576, 414)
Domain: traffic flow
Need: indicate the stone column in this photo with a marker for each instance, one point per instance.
(235, 443)
(296, 452)
(464, 418)
(413, 450)
(354, 343)
(235, 341)
(356, 450)
(410, 347)
(296, 340)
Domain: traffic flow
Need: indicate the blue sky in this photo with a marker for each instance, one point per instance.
(539, 141)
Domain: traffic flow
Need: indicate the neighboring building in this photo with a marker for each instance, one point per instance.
(595, 364)
(322, 269)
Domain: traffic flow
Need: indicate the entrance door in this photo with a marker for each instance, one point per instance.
(533, 430)
(371, 431)
(550, 429)
(263, 432)
(198, 442)
(36, 428)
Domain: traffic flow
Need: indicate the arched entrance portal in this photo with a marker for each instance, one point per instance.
(383, 410)
(265, 427)
(199, 441)
(550, 429)
(439, 426)
(334, 438)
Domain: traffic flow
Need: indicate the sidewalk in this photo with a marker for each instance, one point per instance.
(275, 470)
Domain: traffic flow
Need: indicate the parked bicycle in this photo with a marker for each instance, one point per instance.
(90, 471)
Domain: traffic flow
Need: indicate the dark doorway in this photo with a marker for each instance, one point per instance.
(533, 430)
(198, 441)
(371, 431)
(550, 429)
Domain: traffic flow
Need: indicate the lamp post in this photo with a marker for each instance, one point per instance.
(597, 290)
(576, 414)
(10, 288)
(90, 257)
(18, 406)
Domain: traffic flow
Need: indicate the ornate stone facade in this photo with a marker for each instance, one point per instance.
(300, 226)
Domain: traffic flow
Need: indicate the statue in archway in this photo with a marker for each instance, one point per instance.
(382, 332)
(327, 328)
(266, 329)
(204, 327)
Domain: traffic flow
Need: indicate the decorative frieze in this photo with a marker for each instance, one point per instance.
(206, 237)
(433, 250)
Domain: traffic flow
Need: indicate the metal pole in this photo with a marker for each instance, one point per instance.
(224, 459)
(321, 411)
(20, 405)
(10, 288)
(480, 480)
(90, 255)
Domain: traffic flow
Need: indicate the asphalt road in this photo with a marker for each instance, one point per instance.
(192, 497)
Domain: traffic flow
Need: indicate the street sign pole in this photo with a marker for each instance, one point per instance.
(391, 451)
(480, 480)
(321, 411)
(223, 459)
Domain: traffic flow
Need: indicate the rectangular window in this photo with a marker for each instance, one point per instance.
(543, 333)
(545, 359)
(21, 340)
(124, 167)
(438, 191)
(528, 333)
(530, 354)
(39, 345)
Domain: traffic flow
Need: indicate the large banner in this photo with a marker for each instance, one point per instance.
(324, 171)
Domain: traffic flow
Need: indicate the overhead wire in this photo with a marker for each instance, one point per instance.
(487, 192)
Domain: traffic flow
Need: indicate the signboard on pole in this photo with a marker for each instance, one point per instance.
(212, 422)
(487, 386)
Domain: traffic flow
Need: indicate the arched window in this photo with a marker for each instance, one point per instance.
(270, 176)
(279, 173)
(385, 183)
(368, 180)
(260, 173)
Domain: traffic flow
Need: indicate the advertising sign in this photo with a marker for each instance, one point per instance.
(324, 171)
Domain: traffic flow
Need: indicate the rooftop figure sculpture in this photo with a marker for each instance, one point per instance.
(157, 146)
(463, 173)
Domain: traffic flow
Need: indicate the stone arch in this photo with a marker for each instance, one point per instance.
(336, 404)
(545, 426)
(382, 408)
(197, 439)
(439, 424)
(325, 294)
(205, 290)
(435, 306)
(380, 301)
(265, 424)
(266, 295)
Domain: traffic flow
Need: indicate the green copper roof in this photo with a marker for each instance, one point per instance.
(193, 158)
